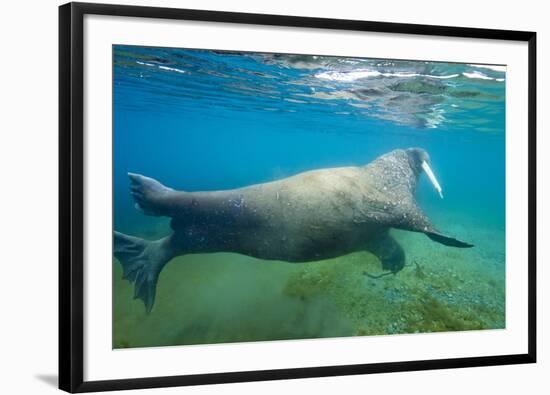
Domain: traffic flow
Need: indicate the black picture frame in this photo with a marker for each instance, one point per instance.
(71, 195)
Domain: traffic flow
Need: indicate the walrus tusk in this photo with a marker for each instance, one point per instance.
(431, 176)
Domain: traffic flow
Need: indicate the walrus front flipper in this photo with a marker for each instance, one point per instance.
(448, 241)
(389, 252)
(142, 261)
(411, 218)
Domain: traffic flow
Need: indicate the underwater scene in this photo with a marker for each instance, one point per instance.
(261, 196)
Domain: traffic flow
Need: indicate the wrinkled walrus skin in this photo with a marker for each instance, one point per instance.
(310, 216)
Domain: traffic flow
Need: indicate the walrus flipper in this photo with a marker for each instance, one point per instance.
(390, 253)
(142, 261)
(448, 241)
(413, 219)
(146, 192)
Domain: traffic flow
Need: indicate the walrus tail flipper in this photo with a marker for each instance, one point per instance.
(147, 193)
(142, 261)
(448, 241)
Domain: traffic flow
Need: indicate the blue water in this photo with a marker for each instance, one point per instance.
(208, 120)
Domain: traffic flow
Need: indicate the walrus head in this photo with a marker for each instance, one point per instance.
(419, 161)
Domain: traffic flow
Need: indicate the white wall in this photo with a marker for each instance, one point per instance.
(28, 194)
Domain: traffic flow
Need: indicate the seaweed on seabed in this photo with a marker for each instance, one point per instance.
(121, 343)
(435, 316)
(309, 282)
(418, 271)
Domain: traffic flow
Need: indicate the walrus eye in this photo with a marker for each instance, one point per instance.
(427, 169)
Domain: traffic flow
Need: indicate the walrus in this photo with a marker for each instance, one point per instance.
(311, 216)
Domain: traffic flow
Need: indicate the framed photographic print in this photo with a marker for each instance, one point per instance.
(258, 197)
